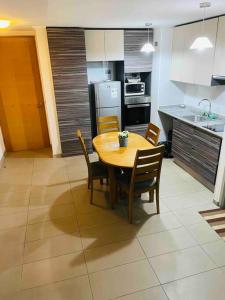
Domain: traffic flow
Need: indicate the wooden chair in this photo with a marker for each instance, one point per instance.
(108, 124)
(152, 134)
(96, 170)
(145, 177)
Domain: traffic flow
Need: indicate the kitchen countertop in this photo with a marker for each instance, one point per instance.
(179, 111)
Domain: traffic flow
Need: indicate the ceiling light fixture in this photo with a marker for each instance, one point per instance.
(148, 47)
(202, 42)
(4, 23)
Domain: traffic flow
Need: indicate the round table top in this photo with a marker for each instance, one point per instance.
(107, 147)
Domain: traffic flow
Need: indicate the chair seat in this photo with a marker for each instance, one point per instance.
(125, 179)
(99, 169)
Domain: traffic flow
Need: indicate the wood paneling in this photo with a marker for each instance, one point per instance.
(22, 112)
(134, 59)
(197, 149)
(68, 59)
(139, 129)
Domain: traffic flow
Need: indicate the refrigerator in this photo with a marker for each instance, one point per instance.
(108, 99)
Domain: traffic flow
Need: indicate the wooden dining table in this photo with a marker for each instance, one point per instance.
(114, 156)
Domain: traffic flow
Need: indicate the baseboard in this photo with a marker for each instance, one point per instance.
(2, 159)
(57, 155)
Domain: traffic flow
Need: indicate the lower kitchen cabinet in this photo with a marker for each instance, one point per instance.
(139, 129)
(196, 151)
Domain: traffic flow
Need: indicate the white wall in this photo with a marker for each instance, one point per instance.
(48, 88)
(163, 91)
(98, 71)
(194, 93)
(2, 145)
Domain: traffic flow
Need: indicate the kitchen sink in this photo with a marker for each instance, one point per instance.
(195, 118)
(215, 127)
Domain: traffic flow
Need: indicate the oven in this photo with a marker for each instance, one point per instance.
(137, 110)
(134, 88)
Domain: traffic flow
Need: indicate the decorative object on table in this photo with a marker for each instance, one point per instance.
(123, 138)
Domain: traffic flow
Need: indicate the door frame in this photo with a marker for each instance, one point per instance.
(41, 43)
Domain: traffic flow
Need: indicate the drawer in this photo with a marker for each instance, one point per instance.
(182, 139)
(203, 170)
(183, 127)
(181, 155)
(205, 162)
(209, 140)
(206, 147)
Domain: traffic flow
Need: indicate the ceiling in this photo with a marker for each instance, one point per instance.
(105, 13)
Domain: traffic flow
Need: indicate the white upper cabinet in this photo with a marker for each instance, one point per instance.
(205, 59)
(114, 45)
(219, 63)
(177, 53)
(94, 43)
(104, 45)
(193, 66)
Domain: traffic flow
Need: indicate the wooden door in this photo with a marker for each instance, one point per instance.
(22, 111)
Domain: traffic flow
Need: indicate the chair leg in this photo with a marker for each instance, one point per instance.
(91, 197)
(151, 196)
(157, 200)
(89, 183)
(101, 181)
(130, 208)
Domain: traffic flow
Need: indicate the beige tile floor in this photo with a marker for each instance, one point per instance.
(56, 246)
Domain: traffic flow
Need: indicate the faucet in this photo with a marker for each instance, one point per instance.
(210, 105)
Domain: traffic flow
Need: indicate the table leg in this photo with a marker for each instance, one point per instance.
(112, 185)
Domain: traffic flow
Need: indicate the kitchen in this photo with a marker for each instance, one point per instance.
(67, 232)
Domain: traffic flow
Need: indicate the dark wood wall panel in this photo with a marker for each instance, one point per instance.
(68, 60)
(134, 59)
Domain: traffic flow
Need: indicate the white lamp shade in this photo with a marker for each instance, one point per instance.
(201, 43)
(147, 48)
(4, 23)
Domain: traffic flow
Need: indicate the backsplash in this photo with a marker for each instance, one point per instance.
(98, 71)
(194, 93)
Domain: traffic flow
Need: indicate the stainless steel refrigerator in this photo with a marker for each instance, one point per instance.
(108, 99)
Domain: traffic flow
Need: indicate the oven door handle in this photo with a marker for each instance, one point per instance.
(138, 105)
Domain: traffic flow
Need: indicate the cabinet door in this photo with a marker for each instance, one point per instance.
(135, 60)
(182, 141)
(114, 45)
(193, 66)
(219, 63)
(94, 42)
(204, 60)
(177, 54)
(191, 32)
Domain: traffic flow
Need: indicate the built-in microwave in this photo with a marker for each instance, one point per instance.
(132, 89)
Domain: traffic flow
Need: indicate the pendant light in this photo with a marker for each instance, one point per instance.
(148, 47)
(202, 42)
(4, 23)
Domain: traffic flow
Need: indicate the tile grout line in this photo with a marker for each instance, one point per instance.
(89, 280)
(27, 223)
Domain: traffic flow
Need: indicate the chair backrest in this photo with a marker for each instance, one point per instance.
(147, 165)
(152, 134)
(84, 148)
(108, 124)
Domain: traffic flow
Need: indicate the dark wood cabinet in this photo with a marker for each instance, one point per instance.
(197, 150)
(136, 61)
(68, 60)
(139, 129)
